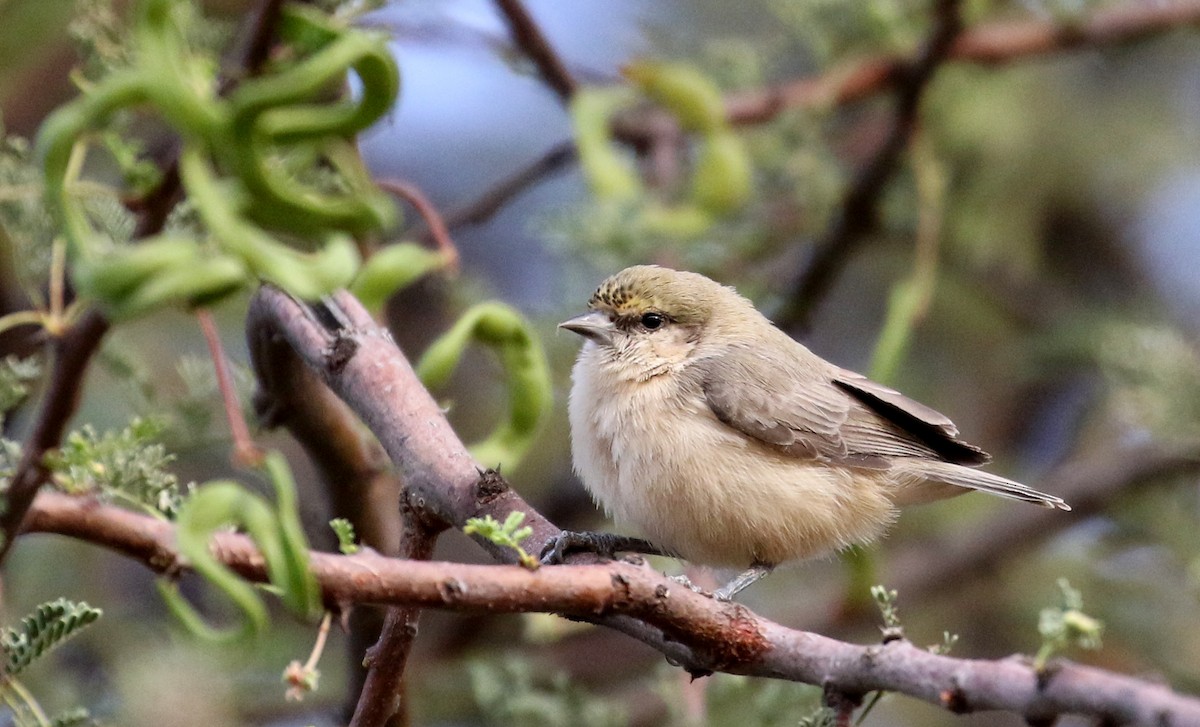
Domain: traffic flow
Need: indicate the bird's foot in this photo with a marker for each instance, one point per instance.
(744, 580)
(606, 545)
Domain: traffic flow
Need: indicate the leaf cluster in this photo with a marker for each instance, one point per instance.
(128, 465)
(49, 625)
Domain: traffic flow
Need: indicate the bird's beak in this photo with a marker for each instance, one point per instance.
(593, 324)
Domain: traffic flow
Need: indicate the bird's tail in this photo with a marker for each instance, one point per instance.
(972, 479)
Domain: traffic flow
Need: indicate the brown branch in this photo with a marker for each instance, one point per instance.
(858, 216)
(490, 202)
(362, 489)
(533, 43)
(994, 43)
(71, 353)
(381, 701)
(732, 638)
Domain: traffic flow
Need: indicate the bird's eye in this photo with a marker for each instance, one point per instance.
(650, 321)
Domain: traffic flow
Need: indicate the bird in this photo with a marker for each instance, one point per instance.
(697, 422)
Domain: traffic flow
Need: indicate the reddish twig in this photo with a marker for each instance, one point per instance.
(723, 636)
(429, 213)
(245, 451)
(992, 43)
(533, 43)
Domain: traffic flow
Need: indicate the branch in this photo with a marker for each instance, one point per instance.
(362, 489)
(859, 213)
(533, 43)
(995, 43)
(360, 363)
(734, 639)
(381, 701)
(71, 352)
(491, 201)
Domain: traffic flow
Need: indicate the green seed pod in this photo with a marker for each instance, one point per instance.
(200, 282)
(721, 181)
(609, 175)
(681, 221)
(391, 269)
(111, 277)
(683, 90)
(526, 371)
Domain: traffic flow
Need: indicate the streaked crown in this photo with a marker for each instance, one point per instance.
(683, 296)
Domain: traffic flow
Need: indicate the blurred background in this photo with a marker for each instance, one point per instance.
(1046, 209)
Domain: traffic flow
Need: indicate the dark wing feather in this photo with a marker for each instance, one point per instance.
(809, 408)
(919, 423)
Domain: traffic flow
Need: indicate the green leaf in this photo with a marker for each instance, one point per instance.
(49, 625)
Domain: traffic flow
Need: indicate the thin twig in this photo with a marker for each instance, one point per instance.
(493, 200)
(529, 37)
(245, 451)
(71, 354)
(858, 216)
(429, 213)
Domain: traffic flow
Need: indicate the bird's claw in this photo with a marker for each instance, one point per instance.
(605, 545)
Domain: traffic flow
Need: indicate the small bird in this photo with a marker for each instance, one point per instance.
(727, 443)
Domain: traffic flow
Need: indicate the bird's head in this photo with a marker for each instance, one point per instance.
(652, 319)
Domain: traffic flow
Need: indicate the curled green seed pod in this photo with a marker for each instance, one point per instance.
(109, 278)
(277, 534)
(608, 173)
(721, 181)
(288, 108)
(391, 269)
(201, 282)
(526, 373)
(683, 90)
(306, 275)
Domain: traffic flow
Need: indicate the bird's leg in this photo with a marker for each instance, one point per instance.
(603, 544)
(744, 580)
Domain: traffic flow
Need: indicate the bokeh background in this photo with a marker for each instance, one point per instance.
(1055, 200)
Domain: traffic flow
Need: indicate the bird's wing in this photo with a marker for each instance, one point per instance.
(811, 409)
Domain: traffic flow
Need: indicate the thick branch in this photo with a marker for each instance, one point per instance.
(737, 640)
